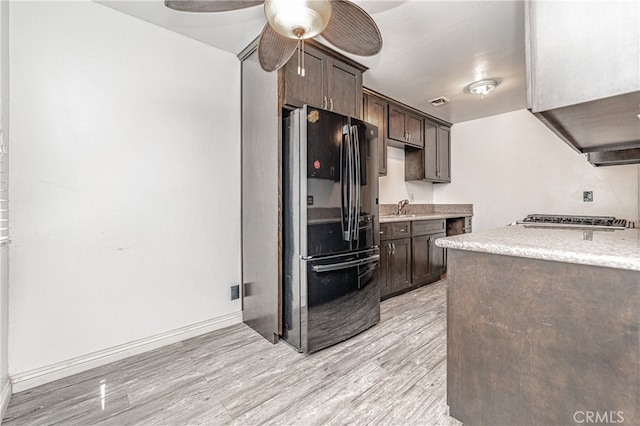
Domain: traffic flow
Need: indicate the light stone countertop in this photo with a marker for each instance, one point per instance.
(614, 249)
(420, 216)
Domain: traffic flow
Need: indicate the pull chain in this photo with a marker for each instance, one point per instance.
(299, 32)
(300, 50)
(298, 53)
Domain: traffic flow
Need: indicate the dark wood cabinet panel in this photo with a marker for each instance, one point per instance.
(437, 258)
(396, 130)
(375, 112)
(328, 83)
(400, 265)
(344, 89)
(415, 130)
(395, 258)
(433, 162)
(385, 259)
(421, 255)
(411, 261)
(444, 155)
(428, 260)
(430, 152)
(405, 128)
(310, 89)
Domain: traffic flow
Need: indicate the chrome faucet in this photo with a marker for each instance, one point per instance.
(401, 205)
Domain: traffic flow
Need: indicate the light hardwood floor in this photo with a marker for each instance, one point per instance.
(392, 374)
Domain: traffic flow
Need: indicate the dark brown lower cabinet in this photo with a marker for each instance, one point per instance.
(428, 260)
(395, 266)
(409, 256)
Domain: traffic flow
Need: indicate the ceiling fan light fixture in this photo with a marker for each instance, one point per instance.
(299, 19)
(482, 87)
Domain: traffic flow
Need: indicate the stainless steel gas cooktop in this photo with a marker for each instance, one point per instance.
(569, 221)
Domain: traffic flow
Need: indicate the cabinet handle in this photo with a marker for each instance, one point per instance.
(331, 104)
(324, 102)
(393, 251)
(409, 136)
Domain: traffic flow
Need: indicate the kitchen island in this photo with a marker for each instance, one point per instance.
(543, 326)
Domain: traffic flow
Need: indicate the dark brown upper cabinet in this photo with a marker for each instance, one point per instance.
(433, 163)
(405, 127)
(328, 83)
(436, 153)
(375, 112)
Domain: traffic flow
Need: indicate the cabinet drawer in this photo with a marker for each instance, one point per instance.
(389, 231)
(421, 227)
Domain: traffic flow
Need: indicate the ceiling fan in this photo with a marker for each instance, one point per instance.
(340, 22)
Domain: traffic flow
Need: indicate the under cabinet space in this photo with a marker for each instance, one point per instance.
(458, 225)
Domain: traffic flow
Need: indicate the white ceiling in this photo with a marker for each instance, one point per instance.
(430, 48)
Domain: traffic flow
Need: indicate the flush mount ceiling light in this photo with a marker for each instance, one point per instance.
(482, 87)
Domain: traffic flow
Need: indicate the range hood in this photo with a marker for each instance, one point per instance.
(583, 76)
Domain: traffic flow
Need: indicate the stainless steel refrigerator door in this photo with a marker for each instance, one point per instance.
(342, 298)
(341, 186)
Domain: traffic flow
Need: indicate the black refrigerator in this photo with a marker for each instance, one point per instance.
(330, 228)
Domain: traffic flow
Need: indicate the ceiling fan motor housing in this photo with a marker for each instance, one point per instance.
(299, 19)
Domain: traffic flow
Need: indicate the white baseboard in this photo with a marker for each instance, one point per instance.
(5, 396)
(32, 378)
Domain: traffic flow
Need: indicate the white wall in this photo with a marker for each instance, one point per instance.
(393, 188)
(511, 165)
(125, 181)
(4, 177)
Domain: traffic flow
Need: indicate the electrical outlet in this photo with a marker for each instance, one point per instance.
(411, 197)
(587, 196)
(235, 292)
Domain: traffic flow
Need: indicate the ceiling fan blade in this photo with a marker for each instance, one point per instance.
(352, 29)
(274, 50)
(210, 5)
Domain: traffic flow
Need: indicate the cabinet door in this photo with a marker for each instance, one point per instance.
(421, 254)
(376, 114)
(385, 265)
(310, 89)
(396, 129)
(401, 264)
(430, 152)
(415, 130)
(344, 89)
(436, 257)
(444, 159)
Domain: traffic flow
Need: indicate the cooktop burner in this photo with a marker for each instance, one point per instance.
(548, 220)
(575, 220)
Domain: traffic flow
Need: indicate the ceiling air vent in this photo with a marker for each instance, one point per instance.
(438, 101)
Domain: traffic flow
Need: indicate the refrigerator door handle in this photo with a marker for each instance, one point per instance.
(347, 131)
(345, 265)
(343, 180)
(356, 181)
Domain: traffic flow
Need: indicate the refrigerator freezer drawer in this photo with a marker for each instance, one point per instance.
(338, 297)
